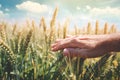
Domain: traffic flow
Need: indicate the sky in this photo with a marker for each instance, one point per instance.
(79, 12)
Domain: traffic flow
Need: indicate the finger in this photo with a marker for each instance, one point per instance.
(72, 52)
(69, 43)
(60, 45)
(66, 52)
(56, 42)
(69, 36)
(75, 52)
(84, 53)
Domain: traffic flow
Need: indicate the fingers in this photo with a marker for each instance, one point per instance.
(75, 52)
(58, 43)
(79, 46)
(61, 44)
(84, 53)
(72, 42)
(67, 37)
(66, 52)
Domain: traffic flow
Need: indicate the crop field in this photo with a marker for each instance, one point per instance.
(25, 53)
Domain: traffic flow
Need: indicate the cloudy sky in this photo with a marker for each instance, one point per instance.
(78, 12)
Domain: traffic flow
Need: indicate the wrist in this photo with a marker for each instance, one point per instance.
(112, 42)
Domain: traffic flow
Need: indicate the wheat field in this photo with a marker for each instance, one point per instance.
(25, 53)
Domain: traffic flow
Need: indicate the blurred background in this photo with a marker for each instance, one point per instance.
(77, 12)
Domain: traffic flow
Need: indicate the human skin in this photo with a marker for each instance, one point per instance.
(88, 46)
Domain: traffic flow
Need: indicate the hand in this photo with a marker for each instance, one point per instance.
(86, 46)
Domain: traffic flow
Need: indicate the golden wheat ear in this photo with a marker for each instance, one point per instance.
(106, 28)
(89, 28)
(9, 52)
(3, 32)
(97, 27)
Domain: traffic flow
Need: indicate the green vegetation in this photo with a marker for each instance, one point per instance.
(25, 54)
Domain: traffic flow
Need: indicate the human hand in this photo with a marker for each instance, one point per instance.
(86, 46)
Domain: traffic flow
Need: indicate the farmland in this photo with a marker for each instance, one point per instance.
(25, 53)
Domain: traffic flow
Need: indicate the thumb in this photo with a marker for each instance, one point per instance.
(75, 52)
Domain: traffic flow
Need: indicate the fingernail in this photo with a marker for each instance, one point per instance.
(65, 52)
(54, 49)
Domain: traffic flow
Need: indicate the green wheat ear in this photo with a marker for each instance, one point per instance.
(28, 38)
(3, 32)
(9, 53)
(24, 42)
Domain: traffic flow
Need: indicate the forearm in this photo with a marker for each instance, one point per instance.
(113, 42)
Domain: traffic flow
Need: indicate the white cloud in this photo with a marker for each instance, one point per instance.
(105, 11)
(33, 7)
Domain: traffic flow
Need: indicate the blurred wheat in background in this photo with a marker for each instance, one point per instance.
(25, 53)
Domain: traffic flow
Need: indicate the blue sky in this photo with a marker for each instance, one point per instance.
(78, 12)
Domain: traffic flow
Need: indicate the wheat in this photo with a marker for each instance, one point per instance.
(43, 24)
(52, 26)
(30, 55)
(89, 28)
(33, 62)
(58, 30)
(113, 29)
(52, 23)
(97, 27)
(14, 29)
(65, 29)
(76, 30)
(105, 28)
(2, 32)
(10, 54)
(33, 24)
(27, 40)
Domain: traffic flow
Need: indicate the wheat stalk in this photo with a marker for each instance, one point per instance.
(27, 40)
(113, 29)
(76, 30)
(52, 26)
(43, 24)
(106, 28)
(14, 29)
(65, 29)
(89, 28)
(58, 30)
(97, 27)
(52, 23)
